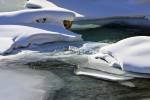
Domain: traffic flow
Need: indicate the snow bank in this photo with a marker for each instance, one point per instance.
(130, 54)
(16, 36)
(98, 8)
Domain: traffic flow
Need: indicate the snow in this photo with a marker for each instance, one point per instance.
(98, 8)
(130, 54)
(38, 26)
(35, 16)
(15, 36)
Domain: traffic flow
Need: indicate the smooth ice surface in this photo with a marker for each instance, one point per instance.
(131, 54)
(98, 8)
(15, 36)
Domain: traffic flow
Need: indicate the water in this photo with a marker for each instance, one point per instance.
(75, 87)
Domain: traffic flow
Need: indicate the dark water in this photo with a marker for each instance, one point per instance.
(109, 34)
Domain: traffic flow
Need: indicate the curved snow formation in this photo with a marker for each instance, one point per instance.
(16, 36)
(96, 9)
(36, 16)
(130, 54)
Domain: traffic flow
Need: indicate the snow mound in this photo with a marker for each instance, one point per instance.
(130, 54)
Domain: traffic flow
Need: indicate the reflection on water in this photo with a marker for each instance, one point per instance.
(11, 5)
